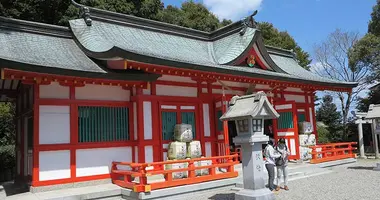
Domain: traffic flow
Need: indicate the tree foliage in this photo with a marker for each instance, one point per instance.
(373, 97)
(328, 114)
(273, 37)
(334, 56)
(190, 14)
(374, 24)
(7, 128)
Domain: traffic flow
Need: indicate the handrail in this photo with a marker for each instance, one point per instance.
(127, 177)
(332, 151)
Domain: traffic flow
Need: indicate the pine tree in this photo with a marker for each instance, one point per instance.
(329, 115)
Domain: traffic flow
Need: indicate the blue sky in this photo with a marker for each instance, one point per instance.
(308, 21)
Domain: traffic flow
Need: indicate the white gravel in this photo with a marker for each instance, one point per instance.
(355, 181)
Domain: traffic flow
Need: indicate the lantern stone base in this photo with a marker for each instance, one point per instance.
(377, 168)
(260, 194)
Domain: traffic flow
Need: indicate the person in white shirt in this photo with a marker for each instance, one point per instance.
(270, 157)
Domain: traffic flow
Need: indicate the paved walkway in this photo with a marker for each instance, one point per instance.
(354, 181)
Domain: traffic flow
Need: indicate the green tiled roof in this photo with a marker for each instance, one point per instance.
(46, 48)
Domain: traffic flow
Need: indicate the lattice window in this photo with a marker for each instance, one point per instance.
(257, 125)
(102, 124)
(243, 125)
(285, 120)
(219, 114)
(169, 120)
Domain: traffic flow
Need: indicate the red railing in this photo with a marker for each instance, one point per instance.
(332, 151)
(127, 177)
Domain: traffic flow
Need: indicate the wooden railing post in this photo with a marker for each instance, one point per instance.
(191, 169)
(231, 167)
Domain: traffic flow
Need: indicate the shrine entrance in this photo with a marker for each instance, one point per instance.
(286, 126)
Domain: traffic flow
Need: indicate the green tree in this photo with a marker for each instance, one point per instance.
(7, 128)
(373, 97)
(366, 52)
(374, 23)
(273, 37)
(328, 114)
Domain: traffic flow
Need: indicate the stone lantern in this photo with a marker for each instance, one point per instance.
(249, 113)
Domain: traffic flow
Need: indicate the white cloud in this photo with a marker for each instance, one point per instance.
(232, 9)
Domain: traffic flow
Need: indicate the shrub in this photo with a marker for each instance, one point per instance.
(7, 157)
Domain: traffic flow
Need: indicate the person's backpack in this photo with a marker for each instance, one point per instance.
(280, 161)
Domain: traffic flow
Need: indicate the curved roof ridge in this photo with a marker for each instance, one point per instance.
(114, 17)
(35, 27)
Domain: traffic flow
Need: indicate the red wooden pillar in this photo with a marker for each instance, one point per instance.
(225, 127)
(140, 126)
(36, 128)
(73, 132)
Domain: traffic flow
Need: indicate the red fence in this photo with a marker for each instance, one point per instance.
(198, 170)
(332, 151)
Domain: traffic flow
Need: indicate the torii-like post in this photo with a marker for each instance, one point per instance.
(374, 115)
(360, 120)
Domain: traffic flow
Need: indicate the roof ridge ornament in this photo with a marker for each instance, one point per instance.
(84, 12)
(248, 22)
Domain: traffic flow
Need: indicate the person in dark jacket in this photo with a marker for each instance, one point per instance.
(282, 163)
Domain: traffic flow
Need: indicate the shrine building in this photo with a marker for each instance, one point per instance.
(111, 87)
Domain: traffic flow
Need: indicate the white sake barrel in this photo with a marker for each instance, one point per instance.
(177, 175)
(303, 139)
(311, 140)
(201, 172)
(177, 150)
(183, 133)
(194, 149)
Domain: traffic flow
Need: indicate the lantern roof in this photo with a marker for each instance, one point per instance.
(250, 106)
(373, 111)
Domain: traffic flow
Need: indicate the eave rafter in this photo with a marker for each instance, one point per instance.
(213, 76)
(46, 79)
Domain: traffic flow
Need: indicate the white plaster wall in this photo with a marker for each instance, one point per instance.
(311, 118)
(292, 89)
(206, 120)
(148, 154)
(176, 78)
(91, 162)
(102, 92)
(204, 90)
(54, 125)
(208, 149)
(283, 107)
(296, 98)
(263, 87)
(147, 107)
(293, 147)
(232, 84)
(146, 91)
(226, 91)
(135, 120)
(54, 91)
(54, 165)
(168, 90)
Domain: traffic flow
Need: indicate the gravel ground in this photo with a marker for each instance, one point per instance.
(355, 181)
